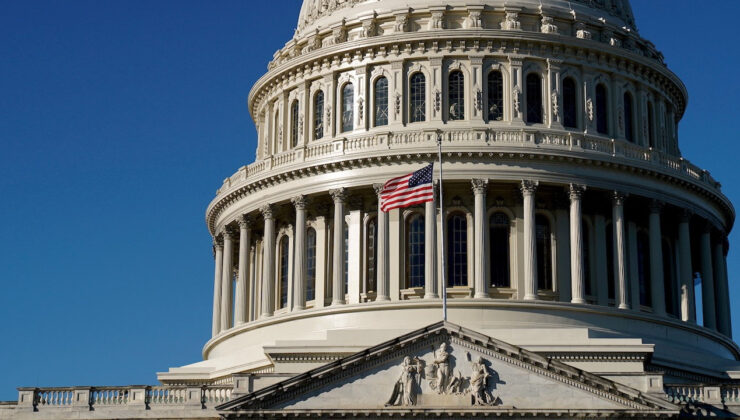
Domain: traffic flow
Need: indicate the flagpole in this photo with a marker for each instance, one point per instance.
(442, 213)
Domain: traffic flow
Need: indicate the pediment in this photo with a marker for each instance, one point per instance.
(447, 369)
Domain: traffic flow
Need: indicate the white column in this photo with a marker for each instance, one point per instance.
(381, 269)
(219, 258)
(339, 196)
(268, 264)
(299, 255)
(577, 278)
(657, 284)
(480, 220)
(707, 280)
(722, 289)
(620, 246)
(530, 262)
(430, 249)
(240, 306)
(226, 280)
(688, 313)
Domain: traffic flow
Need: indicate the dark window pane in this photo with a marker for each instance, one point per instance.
(372, 254)
(570, 107)
(418, 98)
(534, 99)
(457, 251)
(294, 116)
(544, 253)
(284, 267)
(318, 115)
(415, 252)
(310, 264)
(456, 95)
(601, 110)
(499, 242)
(629, 131)
(348, 101)
(495, 96)
(381, 102)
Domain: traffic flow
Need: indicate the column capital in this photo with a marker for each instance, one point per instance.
(245, 222)
(300, 202)
(529, 187)
(378, 188)
(218, 241)
(227, 234)
(656, 206)
(267, 211)
(618, 198)
(575, 191)
(480, 185)
(339, 195)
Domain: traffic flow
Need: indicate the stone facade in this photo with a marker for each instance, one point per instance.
(572, 228)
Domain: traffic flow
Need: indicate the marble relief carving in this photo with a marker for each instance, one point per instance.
(443, 380)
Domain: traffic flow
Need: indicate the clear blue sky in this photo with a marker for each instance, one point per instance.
(118, 121)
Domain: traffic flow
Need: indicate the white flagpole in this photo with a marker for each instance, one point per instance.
(442, 213)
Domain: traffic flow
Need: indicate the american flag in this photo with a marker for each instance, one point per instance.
(407, 190)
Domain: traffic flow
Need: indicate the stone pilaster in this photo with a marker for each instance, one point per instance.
(577, 277)
(268, 263)
(686, 275)
(299, 254)
(430, 249)
(242, 289)
(620, 247)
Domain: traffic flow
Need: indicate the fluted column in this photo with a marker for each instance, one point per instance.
(530, 262)
(685, 271)
(219, 258)
(724, 324)
(226, 280)
(577, 277)
(430, 249)
(620, 245)
(299, 260)
(707, 279)
(268, 263)
(481, 238)
(381, 269)
(657, 284)
(240, 306)
(339, 196)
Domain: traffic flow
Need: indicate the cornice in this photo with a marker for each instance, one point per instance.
(243, 184)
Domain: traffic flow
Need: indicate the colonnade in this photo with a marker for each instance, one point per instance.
(255, 275)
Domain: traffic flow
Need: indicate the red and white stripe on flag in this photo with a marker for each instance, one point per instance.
(408, 190)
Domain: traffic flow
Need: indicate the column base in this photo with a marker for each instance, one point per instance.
(382, 299)
(624, 306)
(530, 297)
(265, 315)
(298, 308)
(431, 296)
(337, 302)
(578, 300)
(481, 296)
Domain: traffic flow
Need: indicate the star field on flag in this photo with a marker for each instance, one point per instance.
(408, 190)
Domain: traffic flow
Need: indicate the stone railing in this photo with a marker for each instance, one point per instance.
(483, 140)
(132, 397)
(727, 395)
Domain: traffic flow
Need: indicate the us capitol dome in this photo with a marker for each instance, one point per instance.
(573, 229)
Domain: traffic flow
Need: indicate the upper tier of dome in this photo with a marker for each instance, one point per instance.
(321, 14)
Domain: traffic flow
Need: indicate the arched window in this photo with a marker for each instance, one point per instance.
(456, 95)
(415, 251)
(570, 103)
(418, 98)
(284, 267)
(651, 125)
(495, 96)
(310, 264)
(534, 98)
(294, 126)
(544, 252)
(643, 267)
(602, 100)
(457, 250)
(381, 102)
(348, 112)
(629, 131)
(499, 249)
(318, 115)
(372, 255)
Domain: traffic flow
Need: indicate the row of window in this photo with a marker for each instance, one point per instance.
(417, 105)
(499, 258)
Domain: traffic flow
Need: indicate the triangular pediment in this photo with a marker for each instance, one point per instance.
(447, 369)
